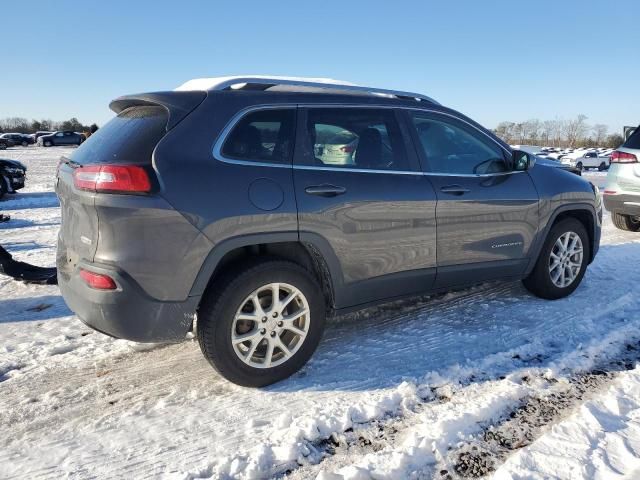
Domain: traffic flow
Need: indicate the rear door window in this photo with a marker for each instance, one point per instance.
(262, 136)
(361, 138)
(129, 137)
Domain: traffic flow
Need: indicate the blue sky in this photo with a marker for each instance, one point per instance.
(493, 60)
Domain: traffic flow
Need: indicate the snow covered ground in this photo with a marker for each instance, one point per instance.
(485, 381)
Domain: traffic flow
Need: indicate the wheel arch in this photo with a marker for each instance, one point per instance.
(313, 254)
(584, 213)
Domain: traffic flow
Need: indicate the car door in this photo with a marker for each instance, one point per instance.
(363, 202)
(487, 213)
(58, 139)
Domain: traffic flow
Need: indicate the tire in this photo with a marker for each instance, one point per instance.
(47, 143)
(540, 281)
(625, 222)
(3, 187)
(25, 143)
(602, 167)
(229, 296)
(579, 166)
(3, 146)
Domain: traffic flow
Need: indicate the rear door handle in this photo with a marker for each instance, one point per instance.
(454, 190)
(325, 190)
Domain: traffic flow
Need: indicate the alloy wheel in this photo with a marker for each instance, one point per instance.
(271, 325)
(566, 259)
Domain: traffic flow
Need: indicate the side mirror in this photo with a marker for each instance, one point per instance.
(522, 161)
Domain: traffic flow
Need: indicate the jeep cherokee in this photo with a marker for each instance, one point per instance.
(214, 202)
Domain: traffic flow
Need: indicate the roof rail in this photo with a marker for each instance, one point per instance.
(264, 82)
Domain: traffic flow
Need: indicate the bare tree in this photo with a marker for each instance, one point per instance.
(531, 131)
(575, 130)
(600, 132)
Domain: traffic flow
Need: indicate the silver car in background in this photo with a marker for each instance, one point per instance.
(622, 192)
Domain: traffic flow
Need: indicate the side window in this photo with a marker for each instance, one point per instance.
(452, 148)
(262, 136)
(59, 134)
(365, 138)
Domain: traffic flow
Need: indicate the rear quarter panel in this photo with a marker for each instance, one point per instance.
(214, 195)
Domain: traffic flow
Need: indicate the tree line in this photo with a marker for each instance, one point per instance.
(23, 125)
(562, 133)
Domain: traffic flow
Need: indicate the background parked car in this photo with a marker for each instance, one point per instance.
(18, 138)
(12, 176)
(622, 191)
(39, 134)
(589, 159)
(5, 143)
(61, 138)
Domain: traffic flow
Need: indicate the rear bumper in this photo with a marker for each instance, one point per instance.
(127, 312)
(622, 204)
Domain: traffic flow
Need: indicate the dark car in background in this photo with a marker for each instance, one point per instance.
(18, 138)
(61, 138)
(5, 143)
(12, 176)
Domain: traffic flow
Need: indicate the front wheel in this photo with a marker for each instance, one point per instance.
(261, 323)
(47, 143)
(562, 262)
(580, 166)
(626, 222)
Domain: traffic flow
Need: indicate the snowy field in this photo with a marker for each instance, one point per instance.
(487, 381)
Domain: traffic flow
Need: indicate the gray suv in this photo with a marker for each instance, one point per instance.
(214, 208)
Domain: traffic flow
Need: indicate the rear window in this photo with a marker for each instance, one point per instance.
(634, 140)
(263, 136)
(129, 137)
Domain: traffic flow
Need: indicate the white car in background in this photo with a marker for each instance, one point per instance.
(587, 159)
(622, 191)
(338, 147)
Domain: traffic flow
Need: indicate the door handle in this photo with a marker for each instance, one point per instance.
(454, 190)
(325, 190)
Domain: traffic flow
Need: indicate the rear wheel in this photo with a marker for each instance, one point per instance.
(25, 143)
(626, 222)
(47, 143)
(562, 262)
(262, 323)
(602, 167)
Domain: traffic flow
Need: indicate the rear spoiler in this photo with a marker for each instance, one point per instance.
(177, 104)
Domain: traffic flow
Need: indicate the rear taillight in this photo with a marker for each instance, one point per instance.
(347, 149)
(97, 280)
(623, 157)
(112, 178)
